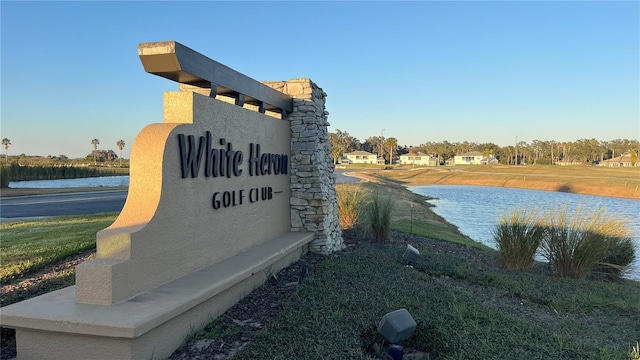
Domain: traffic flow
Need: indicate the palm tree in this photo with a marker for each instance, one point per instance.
(391, 143)
(120, 144)
(487, 153)
(95, 143)
(6, 142)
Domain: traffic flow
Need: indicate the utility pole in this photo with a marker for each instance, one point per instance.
(382, 145)
(516, 162)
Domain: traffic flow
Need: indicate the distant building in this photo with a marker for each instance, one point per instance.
(418, 158)
(489, 159)
(361, 157)
(470, 158)
(568, 162)
(623, 160)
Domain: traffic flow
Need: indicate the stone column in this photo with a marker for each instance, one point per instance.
(314, 206)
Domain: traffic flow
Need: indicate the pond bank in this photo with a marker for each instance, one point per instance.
(586, 181)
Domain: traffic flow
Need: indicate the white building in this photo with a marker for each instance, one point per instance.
(470, 158)
(418, 158)
(361, 157)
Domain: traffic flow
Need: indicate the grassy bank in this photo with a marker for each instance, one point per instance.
(593, 180)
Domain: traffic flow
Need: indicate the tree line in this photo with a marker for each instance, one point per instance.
(583, 151)
(96, 155)
(16, 172)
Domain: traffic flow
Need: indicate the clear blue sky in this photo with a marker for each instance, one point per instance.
(423, 71)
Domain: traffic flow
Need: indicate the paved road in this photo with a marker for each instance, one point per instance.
(25, 207)
(13, 208)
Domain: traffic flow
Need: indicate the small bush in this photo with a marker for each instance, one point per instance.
(4, 177)
(575, 246)
(619, 255)
(378, 213)
(518, 236)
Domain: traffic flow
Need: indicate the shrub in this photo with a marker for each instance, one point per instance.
(575, 246)
(378, 213)
(634, 353)
(351, 201)
(619, 255)
(4, 177)
(518, 236)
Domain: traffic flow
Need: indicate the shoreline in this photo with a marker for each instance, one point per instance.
(621, 188)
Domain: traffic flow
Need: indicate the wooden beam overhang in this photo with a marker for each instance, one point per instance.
(174, 61)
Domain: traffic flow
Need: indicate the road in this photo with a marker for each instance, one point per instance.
(14, 208)
(37, 206)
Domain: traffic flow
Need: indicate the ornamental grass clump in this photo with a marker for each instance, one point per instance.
(585, 242)
(518, 236)
(351, 202)
(378, 216)
(620, 251)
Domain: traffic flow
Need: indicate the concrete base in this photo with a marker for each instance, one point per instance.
(150, 325)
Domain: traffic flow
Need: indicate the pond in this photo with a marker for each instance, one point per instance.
(475, 210)
(99, 181)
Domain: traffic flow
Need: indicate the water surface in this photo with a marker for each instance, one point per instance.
(108, 181)
(475, 210)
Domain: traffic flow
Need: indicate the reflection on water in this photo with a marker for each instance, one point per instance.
(475, 210)
(107, 181)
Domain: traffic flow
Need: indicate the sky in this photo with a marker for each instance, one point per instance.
(419, 71)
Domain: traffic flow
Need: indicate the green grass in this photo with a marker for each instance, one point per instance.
(435, 231)
(461, 313)
(29, 246)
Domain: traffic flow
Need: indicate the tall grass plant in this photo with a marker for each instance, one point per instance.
(352, 200)
(579, 243)
(378, 215)
(518, 236)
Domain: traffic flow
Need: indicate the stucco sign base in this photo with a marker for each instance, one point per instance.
(150, 325)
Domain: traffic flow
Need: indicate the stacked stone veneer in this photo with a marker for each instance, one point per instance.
(314, 205)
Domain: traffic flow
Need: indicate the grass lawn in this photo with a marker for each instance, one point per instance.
(461, 312)
(29, 246)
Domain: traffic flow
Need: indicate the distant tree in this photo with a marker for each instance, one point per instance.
(335, 153)
(487, 153)
(6, 142)
(103, 155)
(634, 156)
(391, 143)
(342, 141)
(120, 144)
(95, 143)
(373, 145)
